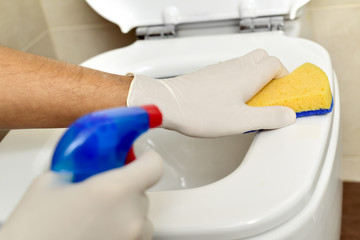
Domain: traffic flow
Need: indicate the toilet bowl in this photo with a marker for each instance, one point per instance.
(274, 184)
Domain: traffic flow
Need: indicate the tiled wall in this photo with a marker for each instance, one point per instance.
(70, 30)
(23, 27)
(78, 32)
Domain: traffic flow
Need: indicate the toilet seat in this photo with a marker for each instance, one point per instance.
(278, 194)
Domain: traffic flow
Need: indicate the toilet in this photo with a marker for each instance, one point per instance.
(281, 184)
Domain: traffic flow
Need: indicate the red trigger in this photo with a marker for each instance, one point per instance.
(131, 156)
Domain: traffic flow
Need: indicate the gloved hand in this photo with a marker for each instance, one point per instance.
(211, 102)
(111, 205)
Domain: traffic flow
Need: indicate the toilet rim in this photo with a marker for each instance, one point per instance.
(260, 175)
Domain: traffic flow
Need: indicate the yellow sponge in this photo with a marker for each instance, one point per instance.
(306, 90)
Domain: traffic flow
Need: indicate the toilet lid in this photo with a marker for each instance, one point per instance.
(273, 183)
(134, 13)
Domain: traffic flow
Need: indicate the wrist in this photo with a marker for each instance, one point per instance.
(125, 86)
(145, 90)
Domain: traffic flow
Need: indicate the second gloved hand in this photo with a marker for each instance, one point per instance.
(211, 102)
(111, 205)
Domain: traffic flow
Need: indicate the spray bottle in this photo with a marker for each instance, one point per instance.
(102, 140)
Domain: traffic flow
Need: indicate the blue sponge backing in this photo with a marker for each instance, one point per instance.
(315, 112)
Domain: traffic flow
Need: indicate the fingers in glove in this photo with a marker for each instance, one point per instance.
(148, 231)
(271, 117)
(146, 169)
(272, 68)
(268, 68)
(141, 174)
(257, 55)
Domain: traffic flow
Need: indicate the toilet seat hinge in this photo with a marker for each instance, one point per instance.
(258, 24)
(156, 32)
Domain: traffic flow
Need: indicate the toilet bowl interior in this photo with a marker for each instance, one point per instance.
(193, 162)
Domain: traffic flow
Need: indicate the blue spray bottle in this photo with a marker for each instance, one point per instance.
(102, 140)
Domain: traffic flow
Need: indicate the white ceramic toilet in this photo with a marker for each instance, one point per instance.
(276, 184)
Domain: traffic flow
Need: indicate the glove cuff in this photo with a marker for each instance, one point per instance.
(145, 90)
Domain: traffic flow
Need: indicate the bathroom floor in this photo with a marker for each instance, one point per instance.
(351, 212)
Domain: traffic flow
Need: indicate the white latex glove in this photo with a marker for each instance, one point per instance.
(211, 102)
(109, 206)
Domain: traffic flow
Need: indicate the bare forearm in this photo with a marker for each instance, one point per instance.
(41, 92)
